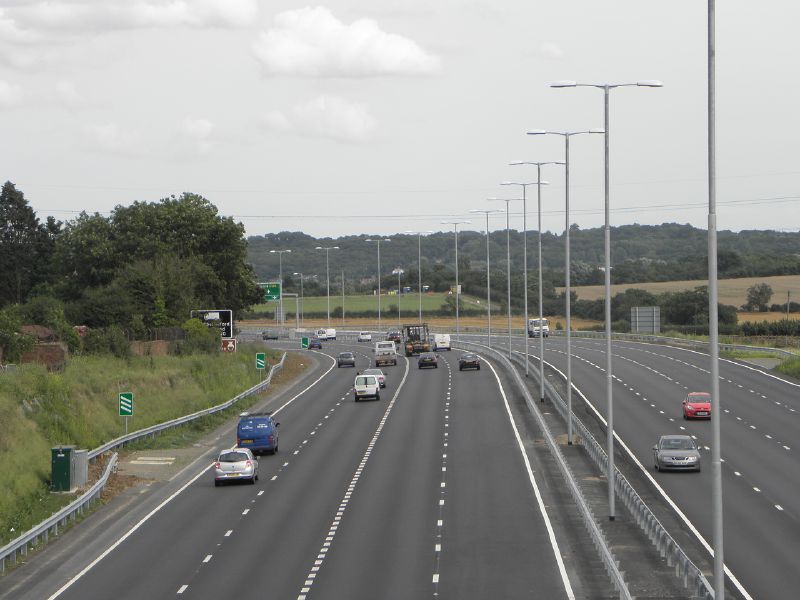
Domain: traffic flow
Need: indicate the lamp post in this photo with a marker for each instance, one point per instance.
(378, 242)
(328, 275)
(302, 309)
(280, 254)
(488, 212)
(398, 271)
(567, 265)
(342, 298)
(713, 323)
(508, 261)
(455, 225)
(419, 265)
(607, 87)
(538, 183)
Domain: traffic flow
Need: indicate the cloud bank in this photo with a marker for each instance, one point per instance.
(326, 116)
(312, 42)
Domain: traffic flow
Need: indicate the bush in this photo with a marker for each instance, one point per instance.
(200, 339)
(107, 340)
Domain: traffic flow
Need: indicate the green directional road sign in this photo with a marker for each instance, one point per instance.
(304, 343)
(126, 404)
(261, 360)
(272, 291)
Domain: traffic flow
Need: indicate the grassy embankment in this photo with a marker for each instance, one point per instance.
(363, 302)
(79, 407)
(790, 367)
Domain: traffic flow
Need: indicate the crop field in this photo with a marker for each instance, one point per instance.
(731, 291)
(430, 301)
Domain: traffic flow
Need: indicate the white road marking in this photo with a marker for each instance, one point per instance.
(182, 589)
(228, 533)
(245, 511)
(207, 558)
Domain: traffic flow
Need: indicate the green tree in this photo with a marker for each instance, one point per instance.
(26, 246)
(758, 297)
(12, 343)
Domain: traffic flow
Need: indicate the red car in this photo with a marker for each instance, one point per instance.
(697, 405)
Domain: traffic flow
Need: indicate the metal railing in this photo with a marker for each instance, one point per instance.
(600, 543)
(691, 576)
(50, 526)
(155, 429)
(41, 532)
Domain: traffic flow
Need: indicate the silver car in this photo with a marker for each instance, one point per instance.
(379, 374)
(235, 465)
(677, 452)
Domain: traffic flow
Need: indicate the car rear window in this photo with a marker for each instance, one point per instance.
(254, 424)
(365, 380)
(230, 457)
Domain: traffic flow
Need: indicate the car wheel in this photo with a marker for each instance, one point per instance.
(377, 395)
(256, 477)
(253, 480)
(478, 368)
(217, 483)
(685, 418)
(460, 368)
(656, 466)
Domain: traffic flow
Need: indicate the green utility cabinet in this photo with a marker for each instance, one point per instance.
(63, 466)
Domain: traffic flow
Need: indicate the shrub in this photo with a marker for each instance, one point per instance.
(107, 340)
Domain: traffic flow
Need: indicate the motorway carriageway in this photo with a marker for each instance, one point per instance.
(425, 493)
(760, 430)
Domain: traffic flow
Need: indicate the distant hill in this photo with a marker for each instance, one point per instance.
(640, 253)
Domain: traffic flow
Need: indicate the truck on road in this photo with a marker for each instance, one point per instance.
(416, 339)
(385, 353)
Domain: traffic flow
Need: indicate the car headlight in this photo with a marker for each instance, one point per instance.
(691, 458)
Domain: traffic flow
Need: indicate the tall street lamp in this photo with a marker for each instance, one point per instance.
(455, 225)
(342, 298)
(328, 275)
(713, 323)
(538, 183)
(302, 309)
(378, 242)
(280, 254)
(398, 271)
(508, 261)
(567, 265)
(419, 235)
(488, 212)
(607, 87)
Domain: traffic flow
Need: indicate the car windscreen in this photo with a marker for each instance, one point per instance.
(677, 444)
(231, 457)
(700, 399)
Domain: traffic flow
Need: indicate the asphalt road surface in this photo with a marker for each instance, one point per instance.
(422, 494)
(760, 425)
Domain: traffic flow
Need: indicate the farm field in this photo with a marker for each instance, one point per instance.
(430, 301)
(731, 291)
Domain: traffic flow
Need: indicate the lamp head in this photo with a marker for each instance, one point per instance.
(563, 83)
(649, 83)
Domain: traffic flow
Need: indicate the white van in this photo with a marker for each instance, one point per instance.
(385, 353)
(326, 334)
(366, 386)
(441, 341)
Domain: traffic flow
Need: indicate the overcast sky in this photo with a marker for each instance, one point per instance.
(381, 116)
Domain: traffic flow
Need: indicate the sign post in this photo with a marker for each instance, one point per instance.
(126, 407)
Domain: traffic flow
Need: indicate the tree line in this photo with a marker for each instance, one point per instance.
(145, 265)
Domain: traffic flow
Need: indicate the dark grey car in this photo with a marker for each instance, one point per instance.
(346, 359)
(678, 452)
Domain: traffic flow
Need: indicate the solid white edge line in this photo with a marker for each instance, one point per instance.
(661, 490)
(174, 495)
(539, 500)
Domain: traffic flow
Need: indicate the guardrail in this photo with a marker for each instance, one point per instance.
(43, 530)
(600, 543)
(71, 511)
(693, 579)
(155, 429)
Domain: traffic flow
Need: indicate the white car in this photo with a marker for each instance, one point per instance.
(364, 336)
(366, 386)
(237, 464)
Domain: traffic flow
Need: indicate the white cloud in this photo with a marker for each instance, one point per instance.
(68, 95)
(312, 42)
(111, 138)
(326, 116)
(199, 133)
(551, 50)
(65, 17)
(10, 94)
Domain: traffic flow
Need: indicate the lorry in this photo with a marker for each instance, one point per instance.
(326, 334)
(537, 328)
(416, 339)
(385, 353)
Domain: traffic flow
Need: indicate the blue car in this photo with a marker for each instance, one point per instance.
(258, 432)
(314, 343)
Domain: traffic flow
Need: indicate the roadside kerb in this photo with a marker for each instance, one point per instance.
(51, 525)
(600, 543)
(690, 575)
